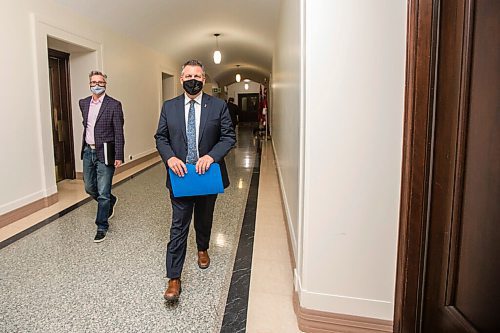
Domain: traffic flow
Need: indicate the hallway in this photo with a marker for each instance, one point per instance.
(57, 280)
(329, 79)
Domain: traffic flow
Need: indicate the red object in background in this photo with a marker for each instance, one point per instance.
(262, 107)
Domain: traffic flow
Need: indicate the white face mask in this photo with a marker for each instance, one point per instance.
(97, 90)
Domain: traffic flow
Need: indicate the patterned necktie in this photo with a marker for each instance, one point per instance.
(192, 155)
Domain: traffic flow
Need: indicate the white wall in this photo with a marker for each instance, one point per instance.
(134, 77)
(209, 85)
(351, 130)
(286, 114)
(233, 90)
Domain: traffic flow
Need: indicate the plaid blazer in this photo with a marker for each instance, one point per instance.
(108, 126)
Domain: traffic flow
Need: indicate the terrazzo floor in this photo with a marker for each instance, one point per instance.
(56, 279)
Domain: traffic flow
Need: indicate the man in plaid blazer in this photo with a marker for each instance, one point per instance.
(102, 148)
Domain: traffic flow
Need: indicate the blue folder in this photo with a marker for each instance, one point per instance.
(195, 184)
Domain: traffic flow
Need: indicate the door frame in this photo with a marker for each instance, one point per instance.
(418, 147)
(248, 114)
(421, 53)
(66, 57)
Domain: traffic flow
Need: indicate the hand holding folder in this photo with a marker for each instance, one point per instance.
(195, 184)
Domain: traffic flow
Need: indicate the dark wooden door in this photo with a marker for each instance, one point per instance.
(462, 283)
(62, 132)
(448, 262)
(249, 107)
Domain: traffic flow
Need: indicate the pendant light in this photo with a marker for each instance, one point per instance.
(238, 76)
(217, 54)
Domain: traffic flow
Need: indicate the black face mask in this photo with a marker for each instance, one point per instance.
(193, 86)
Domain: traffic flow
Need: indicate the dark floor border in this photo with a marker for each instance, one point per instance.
(235, 314)
(54, 217)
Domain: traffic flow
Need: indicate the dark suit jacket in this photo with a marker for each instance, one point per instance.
(234, 111)
(108, 126)
(216, 134)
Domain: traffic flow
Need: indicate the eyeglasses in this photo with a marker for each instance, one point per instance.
(99, 83)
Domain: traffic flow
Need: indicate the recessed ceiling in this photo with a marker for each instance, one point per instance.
(185, 30)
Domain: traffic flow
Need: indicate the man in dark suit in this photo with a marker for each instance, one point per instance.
(234, 111)
(102, 148)
(193, 128)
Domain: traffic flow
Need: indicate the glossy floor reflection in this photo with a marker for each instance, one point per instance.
(55, 279)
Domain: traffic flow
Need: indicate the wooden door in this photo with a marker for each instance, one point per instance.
(462, 292)
(449, 271)
(249, 107)
(62, 132)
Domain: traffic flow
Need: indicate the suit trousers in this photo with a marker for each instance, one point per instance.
(182, 211)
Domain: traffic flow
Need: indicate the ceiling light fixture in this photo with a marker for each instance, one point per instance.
(238, 76)
(217, 54)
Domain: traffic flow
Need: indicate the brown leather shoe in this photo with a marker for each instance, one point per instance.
(203, 259)
(174, 290)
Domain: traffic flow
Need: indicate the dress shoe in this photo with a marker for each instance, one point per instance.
(173, 291)
(203, 259)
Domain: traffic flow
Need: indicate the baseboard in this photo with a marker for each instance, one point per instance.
(286, 212)
(136, 162)
(35, 206)
(28, 209)
(126, 166)
(312, 321)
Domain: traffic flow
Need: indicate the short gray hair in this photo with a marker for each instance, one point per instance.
(193, 62)
(92, 73)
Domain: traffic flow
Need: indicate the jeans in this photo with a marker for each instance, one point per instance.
(97, 177)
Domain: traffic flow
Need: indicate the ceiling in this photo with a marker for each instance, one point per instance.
(185, 30)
